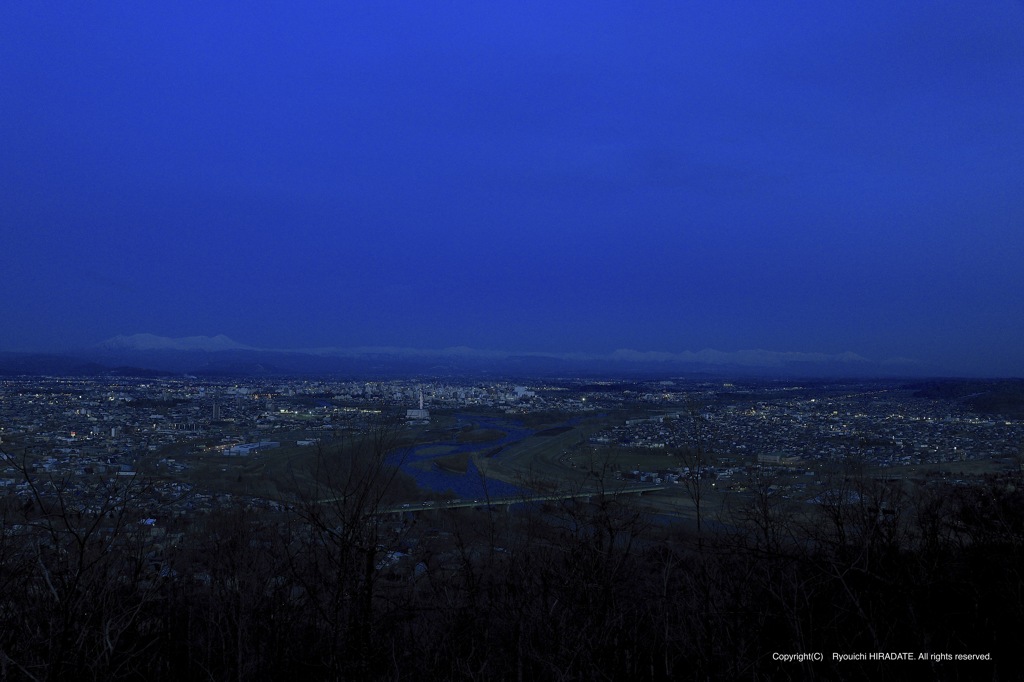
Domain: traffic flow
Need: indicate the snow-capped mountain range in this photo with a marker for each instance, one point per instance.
(187, 343)
(221, 354)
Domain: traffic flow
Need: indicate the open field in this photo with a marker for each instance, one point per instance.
(540, 458)
(473, 435)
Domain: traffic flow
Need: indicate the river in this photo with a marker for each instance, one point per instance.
(470, 485)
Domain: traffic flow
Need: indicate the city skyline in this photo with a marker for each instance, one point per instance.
(584, 179)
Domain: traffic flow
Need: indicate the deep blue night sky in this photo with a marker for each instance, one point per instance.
(820, 177)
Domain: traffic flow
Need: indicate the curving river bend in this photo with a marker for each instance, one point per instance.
(421, 461)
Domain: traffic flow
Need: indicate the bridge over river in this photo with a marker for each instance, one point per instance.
(435, 505)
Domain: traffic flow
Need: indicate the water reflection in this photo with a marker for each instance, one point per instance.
(421, 463)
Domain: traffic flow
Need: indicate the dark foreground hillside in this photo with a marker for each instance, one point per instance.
(332, 589)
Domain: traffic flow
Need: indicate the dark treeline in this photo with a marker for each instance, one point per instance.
(573, 591)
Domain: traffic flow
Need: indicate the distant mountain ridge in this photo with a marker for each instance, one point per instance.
(223, 355)
(187, 343)
(145, 354)
(747, 358)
